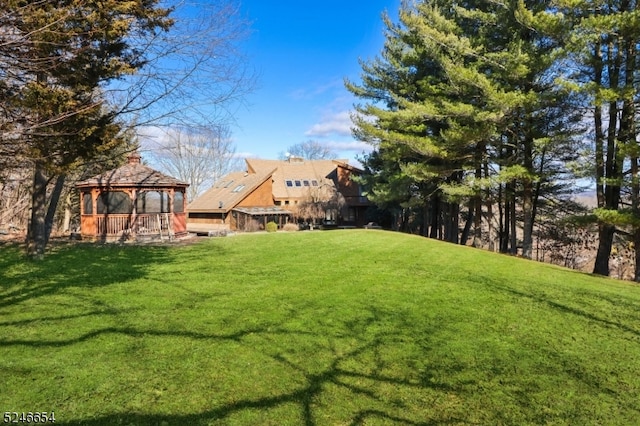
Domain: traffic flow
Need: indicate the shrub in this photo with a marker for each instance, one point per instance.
(290, 227)
(272, 227)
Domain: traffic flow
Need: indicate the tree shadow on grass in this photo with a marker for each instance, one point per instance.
(564, 362)
(562, 307)
(85, 265)
(359, 372)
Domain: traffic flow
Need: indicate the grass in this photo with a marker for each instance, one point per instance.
(338, 328)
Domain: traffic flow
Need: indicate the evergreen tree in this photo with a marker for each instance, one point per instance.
(603, 44)
(461, 90)
(440, 109)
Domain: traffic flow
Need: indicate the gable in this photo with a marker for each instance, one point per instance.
(230, 191)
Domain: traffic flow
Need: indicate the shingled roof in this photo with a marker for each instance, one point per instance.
(132, 174)
(229, 191)
(303, 174)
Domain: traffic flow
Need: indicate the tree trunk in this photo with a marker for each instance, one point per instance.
(53, 206)
(503, 220)
(636, 243)
(477, 221)
(489, 204)
(37, 234)
(612, 170)
(435, 215)
(513, 236)
(453, 223)
(477, 225)
(527, 195)
(527, 207)
(605, 242)
(467, 226)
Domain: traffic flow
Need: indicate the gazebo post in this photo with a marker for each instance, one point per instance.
(134, 213)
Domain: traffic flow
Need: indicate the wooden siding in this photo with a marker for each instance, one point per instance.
(87, 225)
(206, 218)
(346, 186)
(262, 196)
(179, 223)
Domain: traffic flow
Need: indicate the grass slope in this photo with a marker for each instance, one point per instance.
(341, 327)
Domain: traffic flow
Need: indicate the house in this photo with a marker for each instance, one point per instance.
(132, 202)
(282, 191)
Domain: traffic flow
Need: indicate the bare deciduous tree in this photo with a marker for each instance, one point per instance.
(323, 202)
(310, 150)
(195, 74)
(198, 156)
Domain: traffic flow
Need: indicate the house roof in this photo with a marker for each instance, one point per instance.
(303, 175)
(229, 191)
(132, 174)
(297, 170)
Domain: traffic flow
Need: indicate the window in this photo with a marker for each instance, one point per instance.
(152, 202)
(116, 202)
(238, 188)
(305, 182)
(351, 214)
(298, 183)
(228, 184)
(289, 183)
(314, 182)
(178, 202)
(87, 203)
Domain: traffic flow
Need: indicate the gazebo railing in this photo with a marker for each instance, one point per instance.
(159, 223)
(113, 224)
(145, 224)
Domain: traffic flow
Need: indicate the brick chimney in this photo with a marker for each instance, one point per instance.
(134, 158)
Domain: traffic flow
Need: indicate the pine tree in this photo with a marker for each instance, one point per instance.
(462, 89)
(603, 44)
(440, 110)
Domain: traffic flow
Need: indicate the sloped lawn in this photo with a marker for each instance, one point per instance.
(316, 328)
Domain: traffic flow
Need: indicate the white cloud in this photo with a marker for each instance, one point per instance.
(337, 123)
(352, 145)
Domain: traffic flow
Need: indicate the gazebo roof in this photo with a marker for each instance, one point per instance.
(132, 174)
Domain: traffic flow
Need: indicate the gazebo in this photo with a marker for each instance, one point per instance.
(132, 202)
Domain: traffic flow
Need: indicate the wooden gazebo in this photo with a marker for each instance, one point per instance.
(132, 202)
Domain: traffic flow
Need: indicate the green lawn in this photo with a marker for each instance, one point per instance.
(317, 328)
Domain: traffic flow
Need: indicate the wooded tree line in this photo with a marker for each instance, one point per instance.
(78, 77)
(484, 115)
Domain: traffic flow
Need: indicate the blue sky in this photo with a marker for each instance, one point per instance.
(302, 51)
